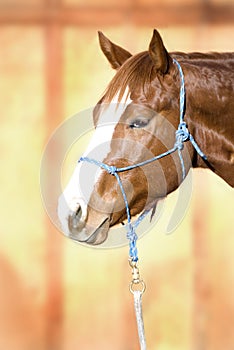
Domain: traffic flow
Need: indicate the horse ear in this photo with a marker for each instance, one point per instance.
(115, 54)
(158, 53)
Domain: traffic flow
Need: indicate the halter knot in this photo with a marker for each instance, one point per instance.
(111, 169)
(182, 135)
(131, 234)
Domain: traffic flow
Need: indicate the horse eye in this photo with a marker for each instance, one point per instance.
(139, 123)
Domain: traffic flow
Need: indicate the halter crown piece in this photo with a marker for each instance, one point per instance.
(182, 135)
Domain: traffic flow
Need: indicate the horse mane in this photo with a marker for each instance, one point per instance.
(135, 72)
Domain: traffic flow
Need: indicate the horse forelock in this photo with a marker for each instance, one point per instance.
(135, 73)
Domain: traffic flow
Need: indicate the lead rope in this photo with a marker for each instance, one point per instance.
(137, 285)
(139, 318)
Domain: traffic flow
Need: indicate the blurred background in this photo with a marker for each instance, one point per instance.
(55, 294)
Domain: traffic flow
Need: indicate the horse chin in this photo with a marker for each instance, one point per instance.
(89, 234)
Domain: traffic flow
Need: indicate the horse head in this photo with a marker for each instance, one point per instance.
(135, 120)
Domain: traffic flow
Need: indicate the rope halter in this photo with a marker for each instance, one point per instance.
(182, 135)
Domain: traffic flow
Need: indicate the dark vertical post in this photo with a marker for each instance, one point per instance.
(54, 112)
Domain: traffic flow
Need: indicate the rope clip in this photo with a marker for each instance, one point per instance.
(137, 284)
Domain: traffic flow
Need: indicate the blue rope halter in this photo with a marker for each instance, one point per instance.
(182, 134)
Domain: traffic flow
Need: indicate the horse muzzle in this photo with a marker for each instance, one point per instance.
(86, 231)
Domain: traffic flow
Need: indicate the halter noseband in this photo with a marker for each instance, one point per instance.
(181, 135)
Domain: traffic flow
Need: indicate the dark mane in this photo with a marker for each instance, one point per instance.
(135, 72)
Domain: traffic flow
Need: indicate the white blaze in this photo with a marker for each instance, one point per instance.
(73, 194)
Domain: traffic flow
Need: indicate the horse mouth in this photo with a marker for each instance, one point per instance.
(85, 233)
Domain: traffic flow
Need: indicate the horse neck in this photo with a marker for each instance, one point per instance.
(210, 112)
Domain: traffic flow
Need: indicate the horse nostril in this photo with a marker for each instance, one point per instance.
(74, 218)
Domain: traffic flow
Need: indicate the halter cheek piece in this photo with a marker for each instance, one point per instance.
(182, 134)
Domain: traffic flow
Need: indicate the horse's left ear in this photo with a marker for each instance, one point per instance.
(115, 54)
(158, 53)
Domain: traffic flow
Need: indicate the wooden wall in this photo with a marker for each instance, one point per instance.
(55, 294)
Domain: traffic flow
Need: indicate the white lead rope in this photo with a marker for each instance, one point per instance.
(137, 288)
(139, 318)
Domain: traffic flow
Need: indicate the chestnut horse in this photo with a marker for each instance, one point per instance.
(143, 102)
